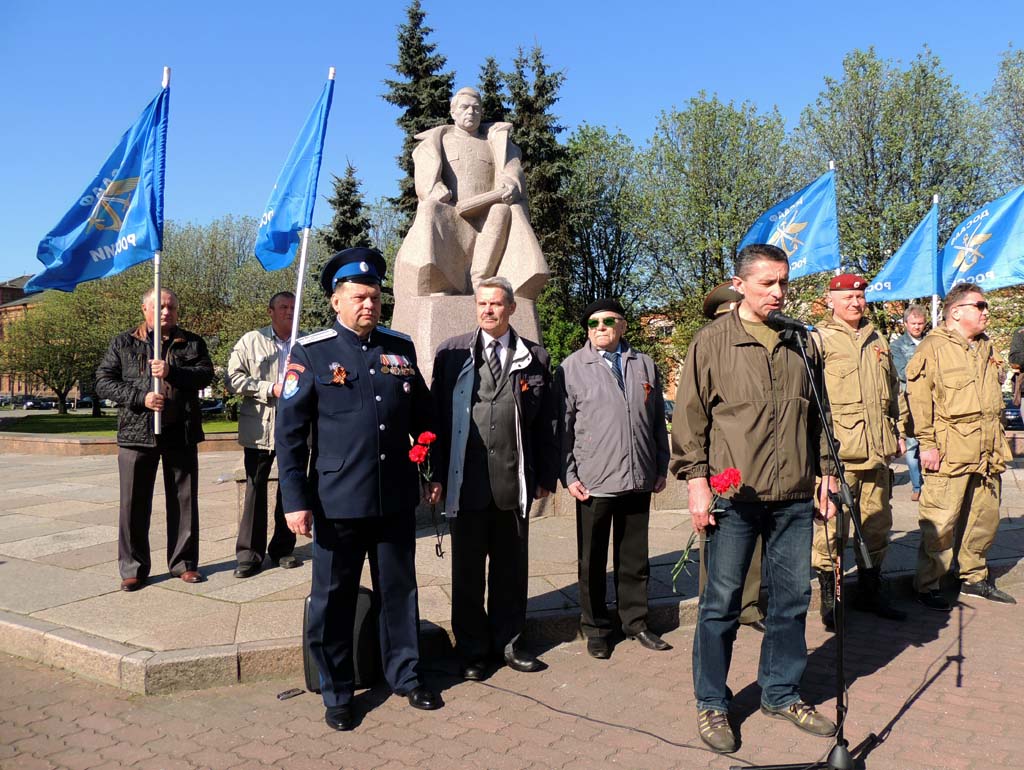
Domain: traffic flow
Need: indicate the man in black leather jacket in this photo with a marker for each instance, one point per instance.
(125, 376)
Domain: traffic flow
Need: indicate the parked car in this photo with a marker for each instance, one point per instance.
(40, 403)
(670, 408)
(211, 406)
(1011, 416)
(82, 403)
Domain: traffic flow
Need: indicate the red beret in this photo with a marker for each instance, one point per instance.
(846, 282)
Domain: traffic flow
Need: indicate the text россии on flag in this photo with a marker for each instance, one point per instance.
(987, 248)
(119, 220)
(290, 208)
(910, 272)
(804, 226)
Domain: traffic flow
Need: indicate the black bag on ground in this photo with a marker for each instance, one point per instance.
(365, 644)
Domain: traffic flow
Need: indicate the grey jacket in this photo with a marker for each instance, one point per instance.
(252, 372)
(613, 442)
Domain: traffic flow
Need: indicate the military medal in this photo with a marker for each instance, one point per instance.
(338, 374)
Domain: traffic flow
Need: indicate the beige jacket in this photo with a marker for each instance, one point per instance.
(252, 373)
(863, 389)
(956, 403)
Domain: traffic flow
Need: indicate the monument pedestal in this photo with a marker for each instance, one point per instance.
(433, 319)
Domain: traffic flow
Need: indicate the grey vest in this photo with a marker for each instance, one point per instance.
(492, 464)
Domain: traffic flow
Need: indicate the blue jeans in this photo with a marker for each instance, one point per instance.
(786, 528)
(913, 457)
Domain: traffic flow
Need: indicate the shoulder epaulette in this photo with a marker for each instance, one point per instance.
(319, 336)
(393, 333)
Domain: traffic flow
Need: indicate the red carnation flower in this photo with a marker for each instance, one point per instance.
(725, 480)
(427, 438)
(418, 453)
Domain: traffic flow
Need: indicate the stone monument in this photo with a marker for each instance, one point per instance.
(471, 223)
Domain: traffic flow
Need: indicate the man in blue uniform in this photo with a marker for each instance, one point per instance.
(357, 390)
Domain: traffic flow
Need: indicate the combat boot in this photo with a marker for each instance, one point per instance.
(827, 581)
(872, 598)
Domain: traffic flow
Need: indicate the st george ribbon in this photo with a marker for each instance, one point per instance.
(118, 221)
(805, 226)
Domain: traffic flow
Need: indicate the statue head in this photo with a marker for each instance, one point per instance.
(466, 109)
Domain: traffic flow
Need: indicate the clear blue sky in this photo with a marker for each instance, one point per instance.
(245, 74)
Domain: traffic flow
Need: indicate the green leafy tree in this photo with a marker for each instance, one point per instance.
(602, 192)
(1006, 105)
(55, 343)
(492, 92)
(423, 93)
(898, 136)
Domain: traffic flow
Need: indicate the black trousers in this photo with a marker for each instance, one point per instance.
(625, 518)
(251, 545)
(340, 546)
(137, 469)
(496, 540)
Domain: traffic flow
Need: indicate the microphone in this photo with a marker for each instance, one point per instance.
(782, 322)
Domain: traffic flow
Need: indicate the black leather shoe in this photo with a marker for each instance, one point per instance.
(757, 625)
(340, 718)
(475, 671)
(598, 647)
(422, 698)
(651, 640)
(287, 562)
(522, 661)
(246, 569)
(986, 589)
(935, 600)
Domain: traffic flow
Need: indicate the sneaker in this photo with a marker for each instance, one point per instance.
(714, 729)
(986, 589)
(935, 600)
(804, 716)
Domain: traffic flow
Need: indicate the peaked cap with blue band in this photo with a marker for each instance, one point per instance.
(357, 265)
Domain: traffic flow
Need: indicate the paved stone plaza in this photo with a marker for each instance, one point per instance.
(942, 688)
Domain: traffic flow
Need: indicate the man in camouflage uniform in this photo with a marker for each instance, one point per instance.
(863, 389)
(956, 400)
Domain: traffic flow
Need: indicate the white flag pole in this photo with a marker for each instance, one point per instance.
(938, 274)
(832, 167)
(302, 270)
(157, 303)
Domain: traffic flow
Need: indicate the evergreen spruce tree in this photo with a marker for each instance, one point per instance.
(533, 91)
(492, 92)
(423, 92)
(349, 227)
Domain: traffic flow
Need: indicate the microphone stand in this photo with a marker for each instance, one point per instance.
(840, 757)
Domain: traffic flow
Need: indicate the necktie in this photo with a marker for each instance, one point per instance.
(494, 360)
(616, 368)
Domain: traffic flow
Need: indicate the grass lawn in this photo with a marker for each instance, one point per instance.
(85, 425)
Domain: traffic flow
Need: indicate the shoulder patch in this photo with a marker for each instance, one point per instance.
(393, 333)
(319, 336)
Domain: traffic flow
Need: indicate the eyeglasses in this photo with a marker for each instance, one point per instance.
(610, 322)
(982, 305)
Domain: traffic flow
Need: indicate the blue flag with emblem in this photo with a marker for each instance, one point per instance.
(911, 271)
(119, 220)
(805, 226)
(988, 247)
(290, 208)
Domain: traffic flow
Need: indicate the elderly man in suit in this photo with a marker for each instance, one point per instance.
(497, 448)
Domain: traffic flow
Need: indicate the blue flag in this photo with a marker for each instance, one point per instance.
(911, 271)
(988, 247)
(290, 208)
(805, 226)
(119, 220)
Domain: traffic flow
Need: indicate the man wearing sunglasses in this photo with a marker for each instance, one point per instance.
(614, 455)
(956, 400)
